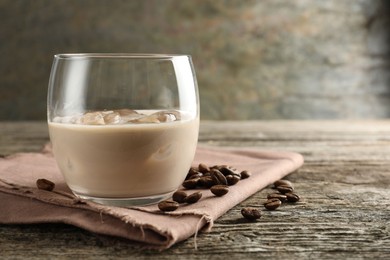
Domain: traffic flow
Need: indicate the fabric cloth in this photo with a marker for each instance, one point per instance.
(22, 203)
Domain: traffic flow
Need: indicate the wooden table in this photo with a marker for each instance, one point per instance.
(344, 212)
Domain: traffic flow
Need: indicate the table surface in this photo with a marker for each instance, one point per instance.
(344, 212)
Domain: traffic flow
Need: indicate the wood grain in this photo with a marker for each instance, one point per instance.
(344, 211)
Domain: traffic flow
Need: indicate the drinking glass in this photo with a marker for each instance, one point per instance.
(123, 127)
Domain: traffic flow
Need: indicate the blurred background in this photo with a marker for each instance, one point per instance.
(275, 59)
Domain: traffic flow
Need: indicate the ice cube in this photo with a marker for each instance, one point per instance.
(153, 118)
(67, 119)
(128, 115)
(168, 116)
(126, 112)
(58, 119)
(112, 118)
(92, 118)
(76, 119)
(159, 117)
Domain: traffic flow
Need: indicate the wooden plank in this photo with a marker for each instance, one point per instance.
(344, 211)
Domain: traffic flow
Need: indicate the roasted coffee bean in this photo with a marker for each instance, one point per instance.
(44, 184)
(279, 196)
(218, 166)
(206, 181)
(272, 204)
(168, 205)
(196, 175)
(251, 213)
(203, 168)
(192, 171)
(194, 197)
(283, 182)
(229, 171)
(206, 174)
(245, 174)
(292, 197)
(232, 179)
(218, 177)
(191, 183)
(284, 189)
(219, 190)
(179, 196)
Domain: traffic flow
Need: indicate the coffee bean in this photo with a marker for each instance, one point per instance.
(219, 190)
(292, 197)
(279, 196)
(194, 197)
(232, 179)
(196, 175)
(168, 205)
(272, 204)
(218, 166)
(44, 184)
(206, 182)
(203, 168)
(191, 183)
(229, 171)
(206, 174)
(179, 196)
(218, 177)
(284, 189)
(245, 174)
(192, 171)
(251, 213)
(283, 182)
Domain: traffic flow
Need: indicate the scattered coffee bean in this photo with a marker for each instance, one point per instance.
(203, 168)
(206, 182)
(191, 183)
(279, 196)
(229, 171)
(283, 182)
(218, 177)
(251, 213)
(194, 197)
(179, 196)
(284, 189)
(245, 174)
(44, 184)
(232, 179)
(168, 205)
(196, 175)
(218, 167)
(292, 197)
(191, 172)
(219, 190)
(206, 174)
(272, 204)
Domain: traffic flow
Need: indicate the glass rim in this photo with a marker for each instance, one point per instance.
(118, 56)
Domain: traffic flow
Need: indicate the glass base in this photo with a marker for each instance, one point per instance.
(127, 202)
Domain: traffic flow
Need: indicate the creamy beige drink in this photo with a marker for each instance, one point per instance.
(124, 153)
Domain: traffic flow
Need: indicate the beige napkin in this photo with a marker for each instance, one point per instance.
(22, 203)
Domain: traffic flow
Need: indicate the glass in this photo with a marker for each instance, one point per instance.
(124, 127)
